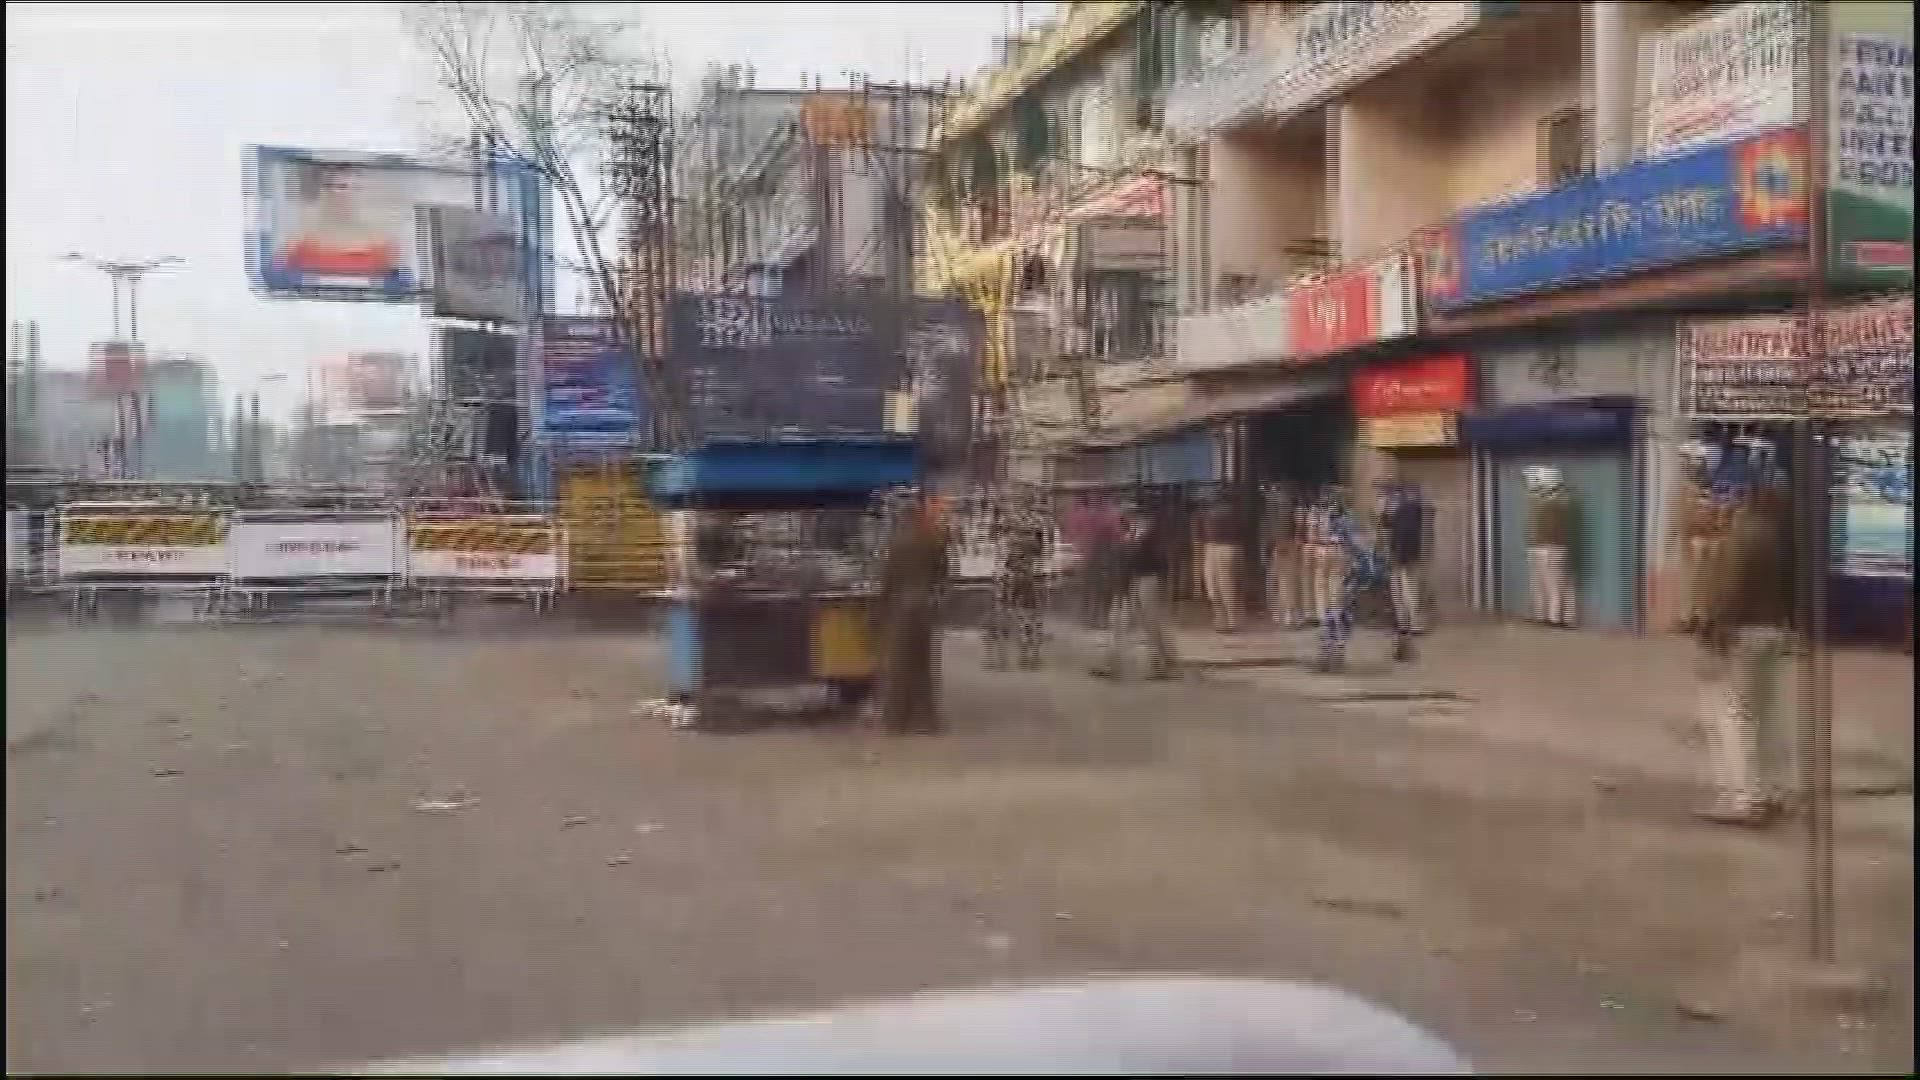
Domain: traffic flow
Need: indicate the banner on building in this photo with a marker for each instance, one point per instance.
(353, 386)
(587, 385)
(505, 549)
(1734, 71)
(1762, 367)
(1123, 245)
(478, 268)
(1354, 307)
(1753, 367)
(271, 547)
(333, 226)
(1423, 384)
(1870, 182)
(837, 119)
(141, 547)
(1719, 200)
(479, 365)
(114, 366)
(1867, 368)
(758, 368)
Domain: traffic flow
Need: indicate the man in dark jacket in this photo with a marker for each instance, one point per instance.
(1403, 528)
(1139, 608)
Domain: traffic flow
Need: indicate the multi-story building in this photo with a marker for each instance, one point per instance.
(180, 439)
(788, 190)
(1448, 242)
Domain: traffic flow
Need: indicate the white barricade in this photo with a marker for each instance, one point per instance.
(511, 554)
(19, 547)
(315, 551)
(139, 547)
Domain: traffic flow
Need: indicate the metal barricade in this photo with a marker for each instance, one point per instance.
(357, 553)
(454, 551)
(138, 547)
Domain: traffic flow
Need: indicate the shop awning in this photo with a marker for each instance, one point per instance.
(1204, 408)
(1591, 422)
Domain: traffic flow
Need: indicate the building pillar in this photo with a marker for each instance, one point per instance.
(1613, 29)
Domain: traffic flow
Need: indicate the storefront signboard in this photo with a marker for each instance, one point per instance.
(1423, 384)
(1867, 364)
(1407, 430)
(1746, 195)
(1753, 367)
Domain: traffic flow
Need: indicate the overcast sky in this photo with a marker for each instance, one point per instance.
(126, 125)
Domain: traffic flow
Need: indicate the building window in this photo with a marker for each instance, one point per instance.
(1566, 147)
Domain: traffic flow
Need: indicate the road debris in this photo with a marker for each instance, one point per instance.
(165, 773)
(383, 867)
(574, 821)
(1379, 909)
(619, 860)
(648, 828)
(446, 806)
(349, 848)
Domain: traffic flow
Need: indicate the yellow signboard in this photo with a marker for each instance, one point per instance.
(1412, 429)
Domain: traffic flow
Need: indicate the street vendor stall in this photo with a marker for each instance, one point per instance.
(773, 578)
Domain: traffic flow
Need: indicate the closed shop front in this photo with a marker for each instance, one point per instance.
(1574, 406)
(1409, 410)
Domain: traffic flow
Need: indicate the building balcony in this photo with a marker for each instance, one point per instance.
(1315, 56)
(1253, 332)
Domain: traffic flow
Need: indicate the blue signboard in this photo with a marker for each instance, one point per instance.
(1722, 199)
(588, 387)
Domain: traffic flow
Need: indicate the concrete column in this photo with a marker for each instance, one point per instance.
(1612, 29)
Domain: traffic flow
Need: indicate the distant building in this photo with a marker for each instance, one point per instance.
(181, 434)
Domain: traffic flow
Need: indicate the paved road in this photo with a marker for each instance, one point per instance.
(282, 847)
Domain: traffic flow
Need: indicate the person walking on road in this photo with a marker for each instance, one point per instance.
(1744, 636)
(1219, 566)
(912, 578)
(1138, 607)
(1326, 557)
(1403, 527)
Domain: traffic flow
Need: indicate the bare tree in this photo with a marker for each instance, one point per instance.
(537, 83)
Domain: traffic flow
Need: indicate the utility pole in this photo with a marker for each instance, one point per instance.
(130, 413)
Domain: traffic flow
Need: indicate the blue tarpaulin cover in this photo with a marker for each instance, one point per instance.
(785, 469)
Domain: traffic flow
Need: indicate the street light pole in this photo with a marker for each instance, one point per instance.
(125, 277)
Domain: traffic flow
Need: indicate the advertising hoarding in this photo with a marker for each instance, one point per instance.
(1718, 200)
(479, 271)
(587, 385)
(1731, 72)
(942, 355)
(758, 368)
(1873, 503)
(1870, 181)
(336, 226)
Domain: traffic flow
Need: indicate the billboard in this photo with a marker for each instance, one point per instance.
(478, 269)
(332, 226)
(1749, 367)
(942, 353)
(1733, 71)
(759, 368)
(479, 365)
(1870, 181)
(1873, 502)
(587, 387)
(1718, 200)
(361, 383)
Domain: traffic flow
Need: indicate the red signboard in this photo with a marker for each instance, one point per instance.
(1424, 384)
(1334, 314)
